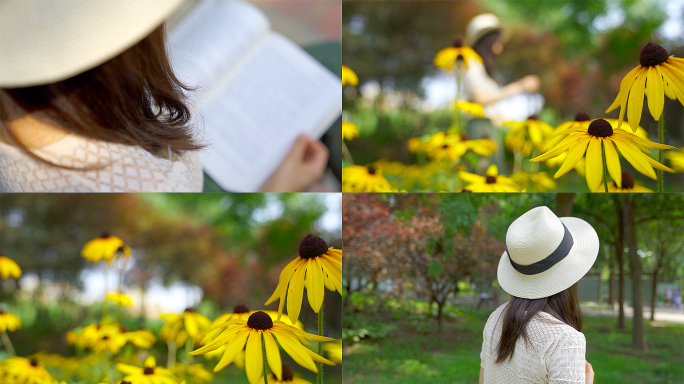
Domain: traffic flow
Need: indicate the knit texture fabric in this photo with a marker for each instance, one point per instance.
(96, 166)
(555, 354)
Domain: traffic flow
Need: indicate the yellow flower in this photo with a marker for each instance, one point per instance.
(451, 147)
(9, 322)
(628, 186)
(179, 326)
(241, 311)
(474, 109)
(317, 267)
(447, 57)
(349, 77)
(111, 342)
(349, 131)
(334, 351)
(91, 334)
(239, 333)
(119, 299)
(657, 75)
(676, 159)
(288, 378)
(526, 134)
(9, 267)
(590, 140)
(142, 339)
(542, 181)
(106, 247)
(197, 372)
(148, 374)
(357, 178)
(20, 370)
(415, 145)
(493, 182)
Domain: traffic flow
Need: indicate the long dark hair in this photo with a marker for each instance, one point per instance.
(483, 47)
(563, 305)
(133, 98)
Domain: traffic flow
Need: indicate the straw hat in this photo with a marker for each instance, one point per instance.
(481, 25)
(546, 254)
(45, 41)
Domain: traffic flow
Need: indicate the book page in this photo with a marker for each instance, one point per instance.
(212, 37)
(252, 118)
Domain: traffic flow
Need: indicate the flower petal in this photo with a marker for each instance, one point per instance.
(594, 172)
(613, 161)
(254, 358)
(574, 155)
(273, 355)
(636, 100)
(655, 92)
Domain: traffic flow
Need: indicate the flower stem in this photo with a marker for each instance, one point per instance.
(605, 167)
(171, 359)
(347, 155)
(518, 159)
(660, 153)
(188, 349)
(263, 353)
(8, 343)
(320, 345)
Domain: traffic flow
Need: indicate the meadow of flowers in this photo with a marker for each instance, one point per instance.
(197, 347)
(594, 147)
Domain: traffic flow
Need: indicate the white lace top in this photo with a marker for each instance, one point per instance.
(114, 168)
(556, 354)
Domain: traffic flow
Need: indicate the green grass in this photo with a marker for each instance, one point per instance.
(422, 354)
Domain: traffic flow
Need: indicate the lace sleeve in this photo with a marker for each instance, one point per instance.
(484, 345)
(565, 359)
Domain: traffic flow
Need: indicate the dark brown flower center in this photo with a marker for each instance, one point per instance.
(600, 128)
(533, 117)
(464, 137)
(240, 308)
(105, 338)
(149, 371)
(627, 181)
(371, 170)
(124, 329)
(445, 146)
(34, 363)
(120, 249)
(287, 373)
(491, 179)
(458, 42)
(260, 320)
(1, 312)
(652, 54)
(125, 382)
(105, 234)
(582, 116)
(466, 191)
(312, 246)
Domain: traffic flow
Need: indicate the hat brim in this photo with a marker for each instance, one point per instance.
(472, 40)
(563, 274)
(45, 42)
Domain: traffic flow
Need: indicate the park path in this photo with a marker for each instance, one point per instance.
(665, 315)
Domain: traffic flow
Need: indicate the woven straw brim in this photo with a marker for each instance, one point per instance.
(44, 41)
(563, 274)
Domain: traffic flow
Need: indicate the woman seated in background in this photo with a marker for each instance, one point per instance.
(90, 103)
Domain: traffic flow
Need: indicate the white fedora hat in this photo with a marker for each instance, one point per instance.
(45, 41)
(481, 25)
(546, 254)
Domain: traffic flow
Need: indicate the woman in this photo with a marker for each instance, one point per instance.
(89, 103)
(512, 102)
(537, 336)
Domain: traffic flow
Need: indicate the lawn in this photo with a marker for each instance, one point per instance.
(414, 351)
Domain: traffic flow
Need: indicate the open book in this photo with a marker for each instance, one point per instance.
(257, 90)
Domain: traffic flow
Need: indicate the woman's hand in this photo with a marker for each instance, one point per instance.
(303, 165)
(530, 83)
(590, 373)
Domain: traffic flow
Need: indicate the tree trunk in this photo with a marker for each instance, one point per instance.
(611, 285)
(564, 203)
(440, 307)
(638, 332)
(653, 294)
(620, 254)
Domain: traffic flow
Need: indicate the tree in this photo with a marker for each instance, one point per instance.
(629, 222)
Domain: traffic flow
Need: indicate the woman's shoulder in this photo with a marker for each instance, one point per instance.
(555, 332)
(494, 316)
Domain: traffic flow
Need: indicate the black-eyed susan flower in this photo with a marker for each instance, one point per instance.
(106, 247)
(334, 351)
(600, 134)
(657, 74)
(20, 370)
(148, 374)
(357, 178)
(541, 181)
(248, 334)
(676, 159)
(288, 378)
(241, 311)
(9, 322)
(179, 326)
(628, 186)
(9, 268)
(525, 135)
(446, 58)
(316, 267)
(451, 146)
(118, 298)
(349, 131)
(473, 109)
(349, 76)
(111, 343)
(142, 338)
(196, 373)
(492, 182)
(90, 334)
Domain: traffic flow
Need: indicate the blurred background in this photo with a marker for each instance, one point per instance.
(580, 50)
(209, 252)
(420, 273)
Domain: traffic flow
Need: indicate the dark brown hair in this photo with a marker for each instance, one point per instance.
(483, 47)
(563, 305)
(132, 99)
